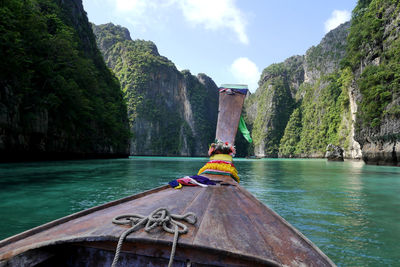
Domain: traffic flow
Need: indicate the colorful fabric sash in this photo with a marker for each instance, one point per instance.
(220, 168)
(195, 180)
(223, 157)
(222, 161)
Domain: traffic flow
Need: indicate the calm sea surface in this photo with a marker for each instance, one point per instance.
(350, 210)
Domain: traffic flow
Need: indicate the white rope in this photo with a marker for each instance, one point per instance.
(160, 217)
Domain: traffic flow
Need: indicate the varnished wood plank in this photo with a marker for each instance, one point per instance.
(75, 215)
(230, 108)
(230, 220)
(231, 225)
(212, 226)
(83, 223)
(198, 207)
(288, 245)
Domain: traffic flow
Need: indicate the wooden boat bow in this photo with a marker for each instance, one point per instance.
(233, 229)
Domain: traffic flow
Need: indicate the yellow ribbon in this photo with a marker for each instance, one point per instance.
(178, 186)
(221, 167)
(223, 157)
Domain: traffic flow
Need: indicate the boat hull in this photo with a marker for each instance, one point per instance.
(233, 229)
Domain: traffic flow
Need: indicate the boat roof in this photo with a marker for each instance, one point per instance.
(231, 221)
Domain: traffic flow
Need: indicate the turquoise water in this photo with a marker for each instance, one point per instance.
(350, 210)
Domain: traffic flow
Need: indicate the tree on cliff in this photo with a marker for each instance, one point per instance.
(57, 95)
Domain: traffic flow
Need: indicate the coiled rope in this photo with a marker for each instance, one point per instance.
(159, 217)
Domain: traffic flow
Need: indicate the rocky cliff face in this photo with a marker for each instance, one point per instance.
(344, 91)
(57, 97)
(298, 104)
(268, 110)
(374, 56)
(171, 113)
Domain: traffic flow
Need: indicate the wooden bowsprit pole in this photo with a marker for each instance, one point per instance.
(231, 99)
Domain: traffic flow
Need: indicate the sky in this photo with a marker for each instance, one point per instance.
(231, 41)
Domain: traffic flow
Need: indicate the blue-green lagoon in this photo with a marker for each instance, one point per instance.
(350, 210)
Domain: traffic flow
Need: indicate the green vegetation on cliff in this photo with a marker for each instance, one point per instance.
(135, 64)
(291, 136)
(57, 95)
(302, 104)
(271, 120)
(168, 110)
(319, 119)
(374, 45)
(355, 69)
(204, 107)
(273, 103)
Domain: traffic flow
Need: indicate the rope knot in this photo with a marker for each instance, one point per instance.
(159, 217)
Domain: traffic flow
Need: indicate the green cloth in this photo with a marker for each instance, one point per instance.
(244, 131)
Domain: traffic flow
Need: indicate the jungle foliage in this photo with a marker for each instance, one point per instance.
(321, 113)
(154, 91)
(322, 118)
(46, 68)
(370, 40)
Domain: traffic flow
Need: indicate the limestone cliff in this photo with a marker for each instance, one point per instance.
(268, 110)
(297, 109)
(344, 91)
(57, 97)
(374, 56)
(170, 112)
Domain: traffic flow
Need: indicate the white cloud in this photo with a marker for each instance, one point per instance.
(215, 15)
(338, 17)
(246, 71)
(128, 5)
(211, 14)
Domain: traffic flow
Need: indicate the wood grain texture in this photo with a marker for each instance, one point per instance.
(230, 222)
(229, 111)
